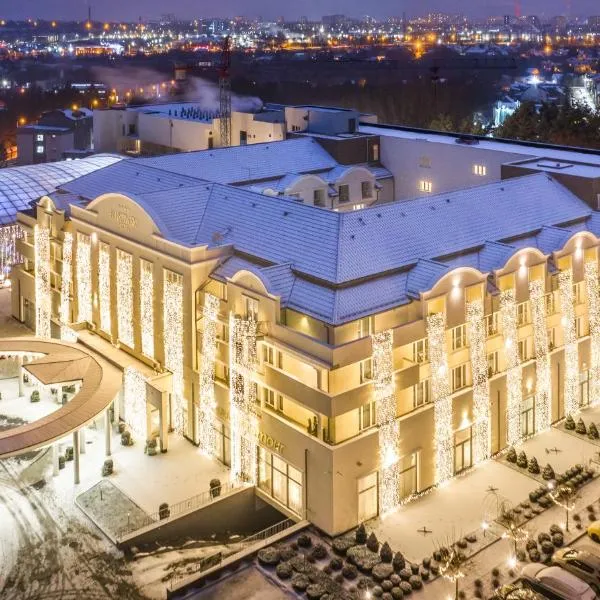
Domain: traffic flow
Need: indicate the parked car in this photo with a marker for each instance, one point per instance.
(556, 583)
(583, 563)
(593, 531)
(519, 590)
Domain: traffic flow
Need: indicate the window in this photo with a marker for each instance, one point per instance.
(580, 327)
(39, 149)
(365, 327)
(367, 416)
(351, 125)
(366, 370)
(425, 186)
(272, 400)
(344, 193)
(375, 156)
(39, 137)
(551, 339)
(222, 373)
(243, 138)
(408, 475)
(211, 142)
(425, 162)
(251, 307)
(421, 393)
(578, 292)
(522, 313)
(367, 497)
(421, 351)
(550, 304)
(459, 337)
(492, 364)
(459, 377)
(480, 170)
(359, 206)
(280, 480)
(366, 189)
(492, 324)
(269, 355)
(524, 350)
(319, 198)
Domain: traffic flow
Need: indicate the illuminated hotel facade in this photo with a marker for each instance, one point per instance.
(343, 362)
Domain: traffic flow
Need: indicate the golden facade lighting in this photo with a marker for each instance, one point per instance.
(134, 402)
(207, 404)
(104, 285)
(65, 286)
(242, 398)
(43, 301)
(173, 340)
(565, 287)
(147, 307)
(389, 428)
(125, 298)
(514, 374)
(476, 331)
(9, 234)
(84, 277)
(593, 298)
(543, 386)
(442, 398)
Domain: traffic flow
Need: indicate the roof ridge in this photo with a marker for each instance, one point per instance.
(201, 220)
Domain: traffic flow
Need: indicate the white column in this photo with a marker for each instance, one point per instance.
(82, 440)
(55, 467)
(76, 457)
(107, 431)
(21, 386)
(117, 407)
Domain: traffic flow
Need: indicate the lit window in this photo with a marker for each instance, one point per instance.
(366, 370)
(251, 307)
(524, 349)
(492, 364)
(459, 337)
(39, 149)
(358, 206)
(523, 314)
(421, 393)
(39, 137)
(425, 186)
(366, 416)
(421, 351)
(459, 377)
(480, 170)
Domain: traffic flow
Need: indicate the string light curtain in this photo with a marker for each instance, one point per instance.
(134, 402)
(43, 301)
(9, 234)
(104, 285)
(567, 306)
(84, 278)
(514, 374)
(442, 398)
(543, 386)
(125, 298)
(147, 307)
(207, 404)
(65, 286)
(389, 428)
(593, 298)
(243, 408)
(173, 342)
(476, 331)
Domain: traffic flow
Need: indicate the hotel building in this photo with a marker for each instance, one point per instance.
(343, 361)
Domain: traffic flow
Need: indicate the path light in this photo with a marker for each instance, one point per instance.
(485, 526)
(511, 562)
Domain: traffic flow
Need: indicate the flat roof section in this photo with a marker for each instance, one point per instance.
(61, 363)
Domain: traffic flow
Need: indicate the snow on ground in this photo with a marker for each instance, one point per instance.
(13, 405)
(10, 327)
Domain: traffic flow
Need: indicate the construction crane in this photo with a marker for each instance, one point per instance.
(225, 93)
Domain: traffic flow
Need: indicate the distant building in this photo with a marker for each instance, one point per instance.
(333, 21)
(503, 109)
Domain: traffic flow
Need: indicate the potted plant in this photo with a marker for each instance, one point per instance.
(35, 396)
(164, 512)
(215, 488)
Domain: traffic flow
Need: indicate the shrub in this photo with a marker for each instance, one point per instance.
(300, 582)
(284, 570)
(548, 473)
(164, 512)
(405, 574)
(558, 539)
(547, 547)
(398, 561)
(69, 453)
(405, 587)
(361, 534)
(424, 574)
(35, 396)
(350, 572)
(569, 423)
(372, 542)
(126, 439)
(386, 553)
(533, 466)
(593, 431)
(215, 487)
(415, 582)
(462, 543)
(287, 553)
(511, 455)
(269, 557)
(543, 537)
(397, 593)
(387, 585)
(304, 540)
(534, 555)
(339, 578)
(319, 552)
(150, 449)
(341, 545)
(581, 428)
(377, 591)
(522, 460)
(426, 562)
(336, 564)
(530, 544)
(414, 567)
(107, 467)
(495, 583)
(61, 462)
(471, 538)
(478, 583)
(121, 427)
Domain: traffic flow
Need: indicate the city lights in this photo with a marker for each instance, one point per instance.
(173, 340)
(514, 375)
(147, 307)
(125, 297)
(593, 298)
(242, 398)
(389, 428)
(543, 396)
(104, 285)
(206, 396)
(481, 390)
(43, 301)
(565, 287)
(442, 407)
(84, 278)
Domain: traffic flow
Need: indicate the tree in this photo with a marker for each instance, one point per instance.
(452, 566)
(565, 496)
(511, 521)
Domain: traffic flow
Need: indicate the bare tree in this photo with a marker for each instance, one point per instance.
(565, 496)
(452, 565)
(511, 521)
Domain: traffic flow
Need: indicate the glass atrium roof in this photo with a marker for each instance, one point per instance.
(20, 185)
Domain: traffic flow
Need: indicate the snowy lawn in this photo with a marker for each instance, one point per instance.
(14, 406)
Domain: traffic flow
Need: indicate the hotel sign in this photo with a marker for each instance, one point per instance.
(123, 218)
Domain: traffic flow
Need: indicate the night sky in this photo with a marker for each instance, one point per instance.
(132, 9)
